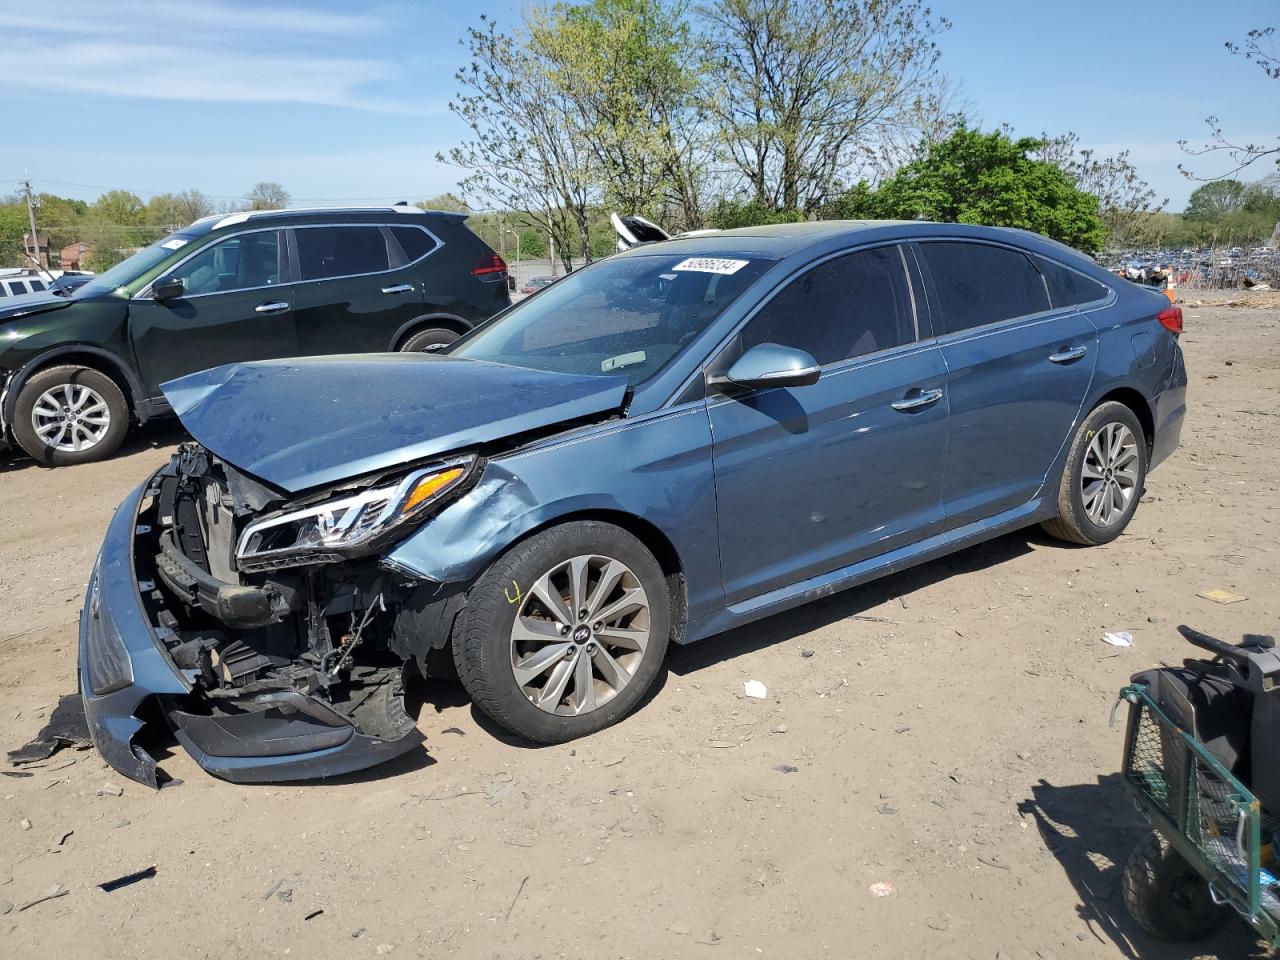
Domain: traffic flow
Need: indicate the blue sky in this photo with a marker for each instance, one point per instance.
(345, 102)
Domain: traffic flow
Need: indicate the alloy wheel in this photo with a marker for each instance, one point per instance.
(1109, 474)
(580, 635)
(71, 417)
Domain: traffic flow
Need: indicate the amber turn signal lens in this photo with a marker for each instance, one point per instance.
(429, 486)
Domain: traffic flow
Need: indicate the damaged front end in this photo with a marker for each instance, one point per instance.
(265, 629)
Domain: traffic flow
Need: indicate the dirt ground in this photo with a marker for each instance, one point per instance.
(947, 726)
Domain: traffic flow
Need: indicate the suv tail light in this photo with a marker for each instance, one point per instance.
(492, 267)
(1171, 319)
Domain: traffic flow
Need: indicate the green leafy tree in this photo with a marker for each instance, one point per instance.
(984, 178)
(445, 201)
(173, 211)
(532, 244)
(728, 214)
(13, 226)
(1214, 199)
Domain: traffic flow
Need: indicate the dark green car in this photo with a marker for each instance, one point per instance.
(74, 371)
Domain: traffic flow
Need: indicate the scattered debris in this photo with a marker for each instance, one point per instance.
(786, 768)
(56, 891)
(110, 790)
(1118, 638)
(62, 837)
(122, 823)
(755, 690)
(5, 907)
(614, 763)
(780, 728)
(25, 823)
(519, 890)
(313, 914)
(888, 809)
(274, 887)
(128, 879)
(1218, 595)
(459, 732)
(66, 728)
(16, 773)
(357, 934)
(883, 889)
(806, 654)
(868, 619)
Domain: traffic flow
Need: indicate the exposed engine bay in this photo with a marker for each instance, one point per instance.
(288, 652)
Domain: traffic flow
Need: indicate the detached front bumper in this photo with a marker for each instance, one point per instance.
(123, 663)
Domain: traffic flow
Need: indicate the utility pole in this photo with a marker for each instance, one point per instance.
(31, 218)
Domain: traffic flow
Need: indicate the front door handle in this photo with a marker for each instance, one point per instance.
(399, 288)
(272, 306)
(1068, 356)
(922, 399)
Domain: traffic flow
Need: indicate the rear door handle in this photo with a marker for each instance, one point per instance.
(399, 288)
(922, 399)
(272, 306)
(1067, 356)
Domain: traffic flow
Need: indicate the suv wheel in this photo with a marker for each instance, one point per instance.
(1103, 479)
(564, 634)
(70, 414)
(427, 341)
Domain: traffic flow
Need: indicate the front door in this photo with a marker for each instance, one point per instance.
(355, 289)
(1017, 374)
(234, 307)
(812, 479)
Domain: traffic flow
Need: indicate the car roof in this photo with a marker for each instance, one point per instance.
(783, 240)
(383, 214)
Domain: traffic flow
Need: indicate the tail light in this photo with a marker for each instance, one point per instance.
(1171, 319)
(492, 267)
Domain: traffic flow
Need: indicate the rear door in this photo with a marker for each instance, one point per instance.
(356, 287)
(811, 479)
(234, 308)
(1018, 371)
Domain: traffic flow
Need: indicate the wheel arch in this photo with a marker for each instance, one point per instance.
(1135, 401)
(86, 355)
(446, 321)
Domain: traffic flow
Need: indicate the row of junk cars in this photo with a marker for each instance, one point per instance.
(1206, 268)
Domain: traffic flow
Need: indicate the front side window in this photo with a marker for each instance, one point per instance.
(244, 262)
(853, 305)
(327, 252)
(622, 316)
(977, 283)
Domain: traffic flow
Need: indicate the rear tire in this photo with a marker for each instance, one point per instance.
(62, 407)
(577, 674)
(1165, 896)
(1103, 478)
(428, 341)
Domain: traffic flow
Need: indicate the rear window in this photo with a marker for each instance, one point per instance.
(325, 252)
(414, 241)
(977, 283)
(1068, 288)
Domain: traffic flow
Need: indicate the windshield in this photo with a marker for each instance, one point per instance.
(126, 271)
(624, 316)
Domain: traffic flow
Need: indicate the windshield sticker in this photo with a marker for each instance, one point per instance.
(174, 243)
(711, 265)
(622, 360)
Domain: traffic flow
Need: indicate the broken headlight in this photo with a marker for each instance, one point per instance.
(345, 526)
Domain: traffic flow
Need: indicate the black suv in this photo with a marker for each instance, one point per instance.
(240, 287)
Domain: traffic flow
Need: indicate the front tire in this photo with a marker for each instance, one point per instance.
(1103, 479)
(564, 634)
(1165, 895)
(70, 414)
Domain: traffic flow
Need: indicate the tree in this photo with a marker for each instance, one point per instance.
(118, 208)
(1125, 200)
(631, 66)
(729, 214)
(173, 211)
(1259, 47)
(803, 91)
(267, 195)
(984, 178)
(526, 151)
(1213, 199)
(445, 201)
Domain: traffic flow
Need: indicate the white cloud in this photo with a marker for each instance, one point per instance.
(199, 51)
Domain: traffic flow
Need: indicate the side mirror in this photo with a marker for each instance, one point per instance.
(771, 365)
(168, 288)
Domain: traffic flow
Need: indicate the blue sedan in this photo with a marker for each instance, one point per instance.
(660, 447)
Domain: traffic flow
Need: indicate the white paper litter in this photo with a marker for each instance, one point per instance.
(1120, 638)
(755, 689)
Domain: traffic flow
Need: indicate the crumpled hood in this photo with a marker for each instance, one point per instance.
(31, 303)
(314, 421)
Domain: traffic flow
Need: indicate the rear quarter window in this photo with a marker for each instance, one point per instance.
(415, 242)
(977, 283)
(1067, 288)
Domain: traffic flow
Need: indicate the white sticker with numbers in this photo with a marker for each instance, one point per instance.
(711, 265)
